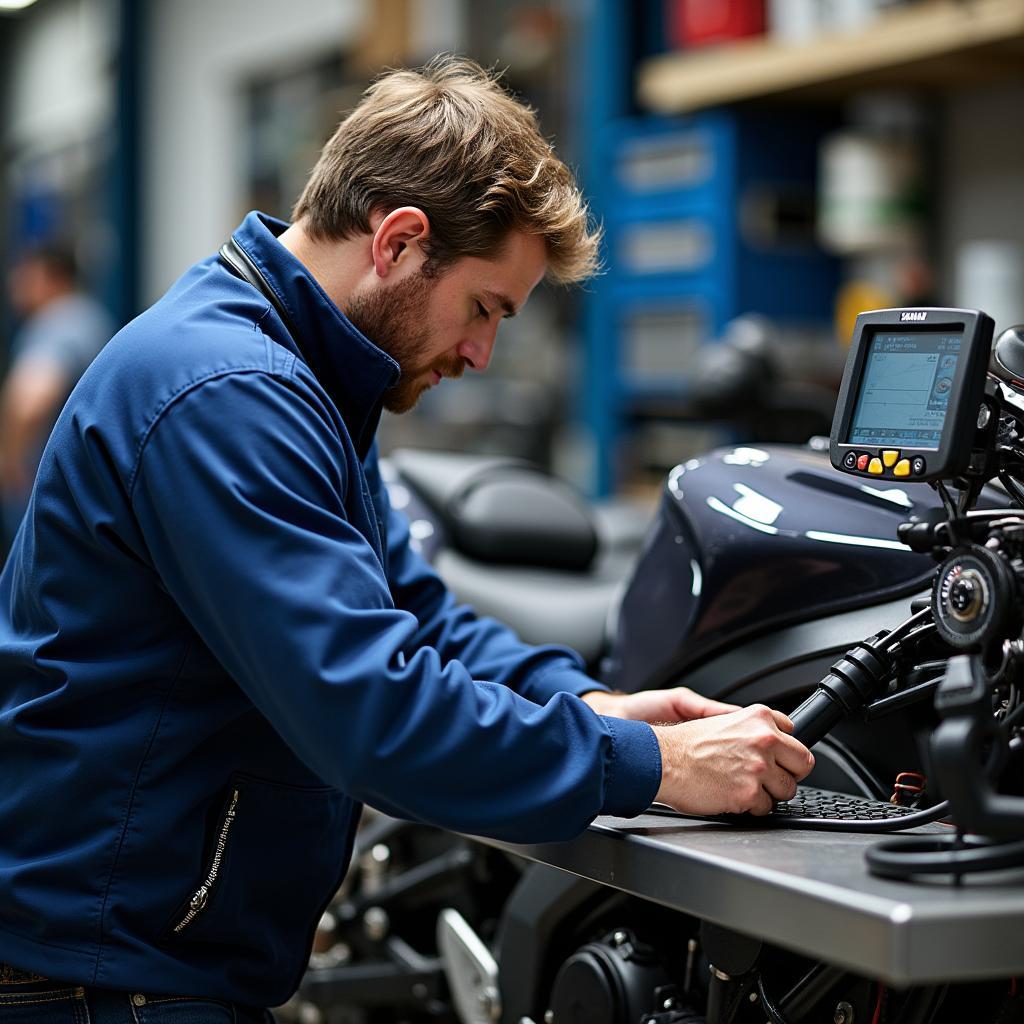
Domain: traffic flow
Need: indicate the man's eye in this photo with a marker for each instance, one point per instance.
(481, 310)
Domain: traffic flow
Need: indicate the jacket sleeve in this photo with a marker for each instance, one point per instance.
(487, 649)
(239, 494)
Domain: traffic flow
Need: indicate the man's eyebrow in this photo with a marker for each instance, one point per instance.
(497, 299)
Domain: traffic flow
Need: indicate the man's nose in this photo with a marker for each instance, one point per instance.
(477, 350)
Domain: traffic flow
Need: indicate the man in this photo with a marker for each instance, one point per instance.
(215, 639)
(62, 330)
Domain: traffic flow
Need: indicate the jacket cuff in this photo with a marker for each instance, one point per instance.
(633, 768)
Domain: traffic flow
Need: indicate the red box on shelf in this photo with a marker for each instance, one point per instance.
(693, 23)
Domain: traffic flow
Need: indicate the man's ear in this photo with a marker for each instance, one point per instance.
(398, 238)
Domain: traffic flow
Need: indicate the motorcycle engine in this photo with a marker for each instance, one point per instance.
(615, 980)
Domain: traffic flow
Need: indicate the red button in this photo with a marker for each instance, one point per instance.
(862, 463)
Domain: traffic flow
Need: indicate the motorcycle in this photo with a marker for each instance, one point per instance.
(802, 577)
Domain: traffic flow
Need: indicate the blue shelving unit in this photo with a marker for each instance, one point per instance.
(693, 233)
(607, 56)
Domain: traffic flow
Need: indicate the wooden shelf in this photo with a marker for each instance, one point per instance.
(936, 44)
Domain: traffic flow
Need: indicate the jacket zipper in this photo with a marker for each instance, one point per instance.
(199, 899)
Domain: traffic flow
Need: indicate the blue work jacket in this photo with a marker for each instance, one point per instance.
(216, 642)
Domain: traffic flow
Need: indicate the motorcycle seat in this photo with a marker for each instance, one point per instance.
(524, 548)
(502, 511)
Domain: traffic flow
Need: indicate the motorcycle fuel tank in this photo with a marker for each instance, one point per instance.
(752, 539)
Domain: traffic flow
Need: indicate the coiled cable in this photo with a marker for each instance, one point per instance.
(956, 855)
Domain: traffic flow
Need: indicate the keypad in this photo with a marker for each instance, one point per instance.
(885, 462)
(822, 803)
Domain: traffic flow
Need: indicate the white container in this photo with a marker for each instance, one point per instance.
(800, 21)
(990, 277)
(869, 186)
(794, 21)
(852, 15)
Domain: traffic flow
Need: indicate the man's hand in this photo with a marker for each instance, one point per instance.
(731, 763)
(659, 707)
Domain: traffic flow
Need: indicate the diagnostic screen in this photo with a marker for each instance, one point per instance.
(904, 390)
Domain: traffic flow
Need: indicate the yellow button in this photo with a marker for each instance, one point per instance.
(902, 468)
(875, 466)
(890, 457)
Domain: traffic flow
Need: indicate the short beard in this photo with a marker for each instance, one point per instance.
(395, 320)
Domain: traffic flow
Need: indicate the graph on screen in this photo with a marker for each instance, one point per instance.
(905, 390)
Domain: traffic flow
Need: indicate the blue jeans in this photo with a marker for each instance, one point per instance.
(28, 998)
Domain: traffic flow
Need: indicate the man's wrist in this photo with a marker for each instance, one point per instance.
(669, 767)
(601, 702)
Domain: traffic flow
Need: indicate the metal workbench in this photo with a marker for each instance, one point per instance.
(806, 891)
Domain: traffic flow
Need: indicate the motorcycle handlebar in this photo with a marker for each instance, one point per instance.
(849, 687)
(815, 718)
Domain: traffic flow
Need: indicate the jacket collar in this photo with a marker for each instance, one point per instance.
(351, 369)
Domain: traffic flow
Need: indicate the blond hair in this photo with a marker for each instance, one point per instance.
(449, 139)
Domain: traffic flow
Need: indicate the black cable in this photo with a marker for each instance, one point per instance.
(1004, 664)
(902, 698)
(809, 990)
(915, 634)
(770, 1009)
(899, 633)
(942, 855)
(1012, 717)
(937, 666)
(938, 998)
(947, 500)
(921, 1004)
(969, 495)
(982, 514)
(1010, 461)
(1012, 488)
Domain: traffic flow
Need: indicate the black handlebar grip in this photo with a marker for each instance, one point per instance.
(816, 716)
(848, 688)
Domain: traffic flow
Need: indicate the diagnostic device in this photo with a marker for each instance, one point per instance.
(912, 397)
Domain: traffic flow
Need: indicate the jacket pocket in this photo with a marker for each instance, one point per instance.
(197, 902)
(274, 856)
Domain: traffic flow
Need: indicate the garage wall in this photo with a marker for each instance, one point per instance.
(58, 75)
(191, 167)
(983, 198)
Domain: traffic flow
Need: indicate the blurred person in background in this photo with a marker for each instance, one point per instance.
(216, 638)
(62, 328)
